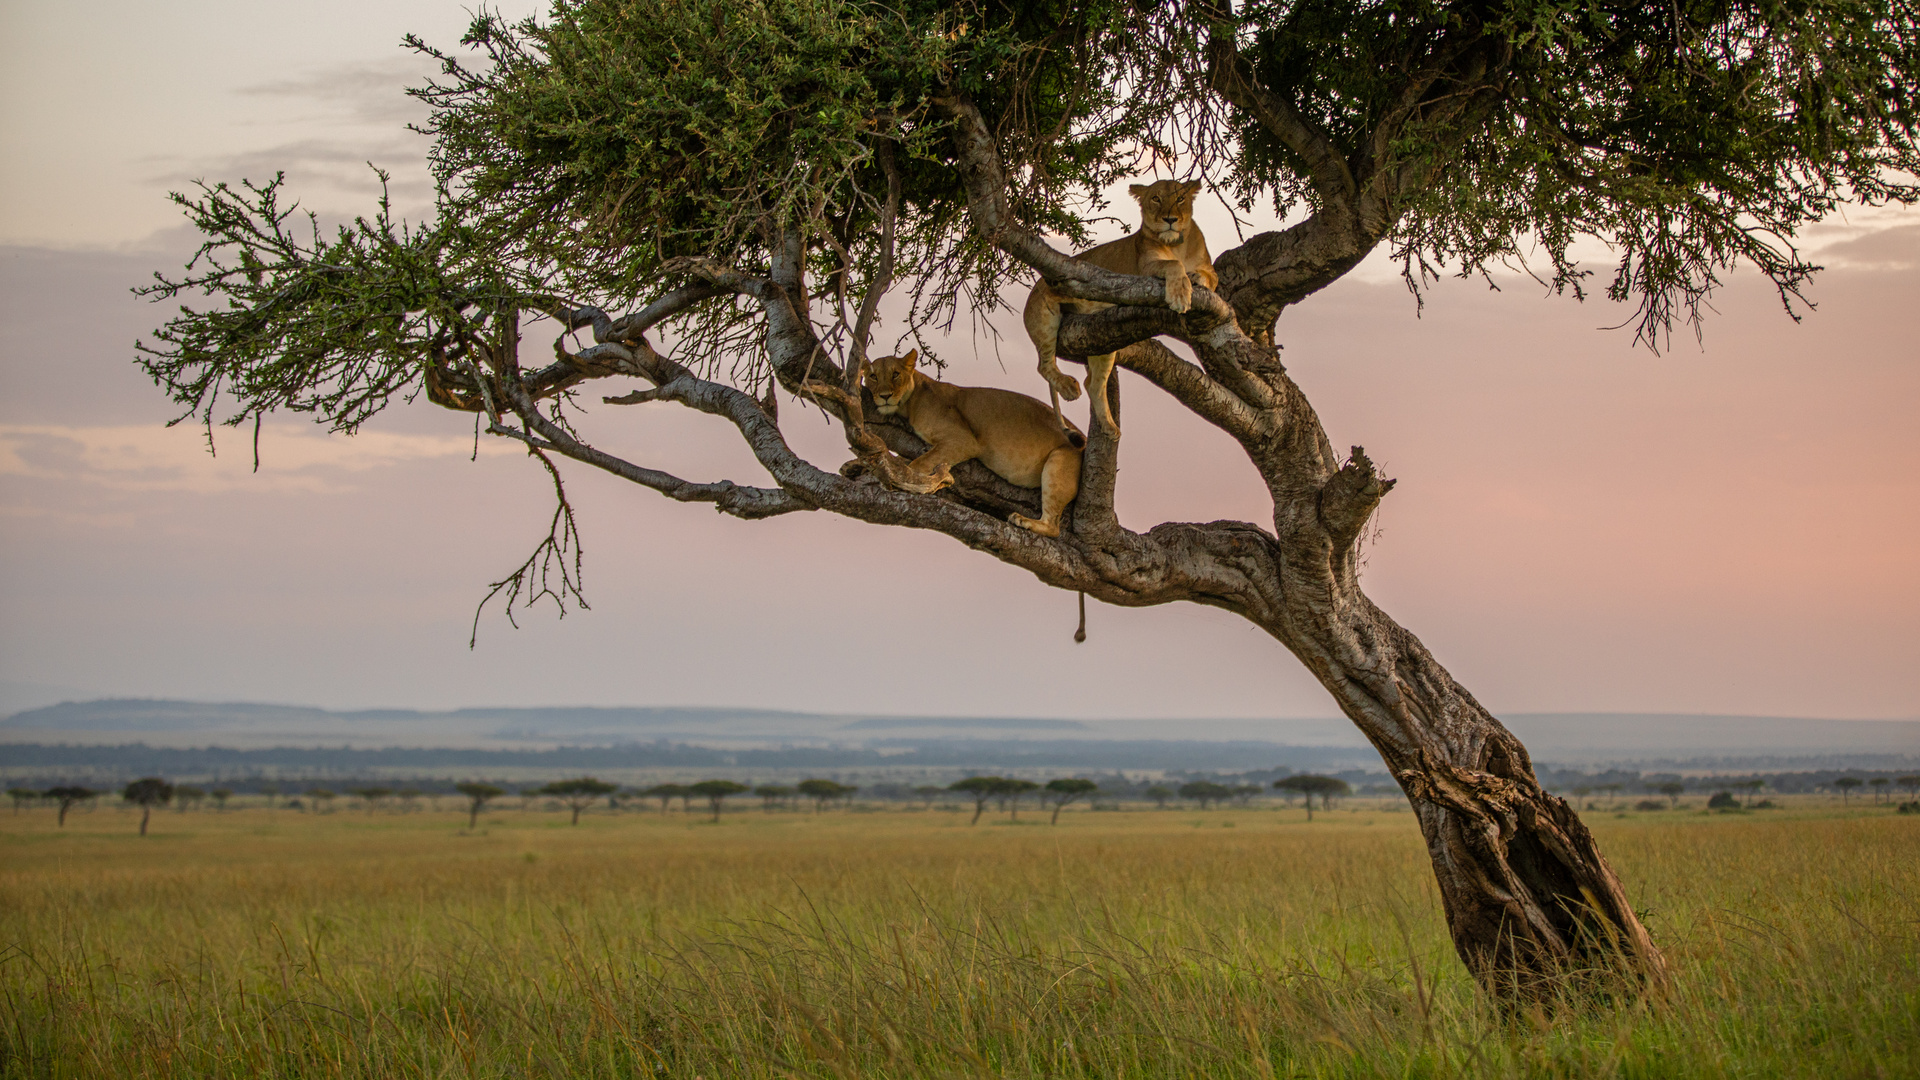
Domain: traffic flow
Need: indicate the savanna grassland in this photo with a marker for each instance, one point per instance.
(1230, 943)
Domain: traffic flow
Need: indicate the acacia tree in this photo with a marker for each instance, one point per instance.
(666, 793)
(1009, 790)
(1068, 789)
(1309, 785)
(578, 793)
(980, 789)
(147, 793)
(747, 181)
(824, 791)
(66, 795)
(716, 792)
(1205, 792)
(478, 796)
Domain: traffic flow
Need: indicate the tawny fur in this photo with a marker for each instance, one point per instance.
(1168, 246)
(1022, 440)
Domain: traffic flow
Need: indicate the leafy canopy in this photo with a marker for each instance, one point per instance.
(578, 155)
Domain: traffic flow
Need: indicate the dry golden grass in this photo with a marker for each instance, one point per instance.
(904, 943)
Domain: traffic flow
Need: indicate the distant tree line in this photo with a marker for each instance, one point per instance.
(1006, 793)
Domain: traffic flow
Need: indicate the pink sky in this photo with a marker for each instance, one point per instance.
(1579, 525)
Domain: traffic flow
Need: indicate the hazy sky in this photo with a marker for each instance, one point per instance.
(1579, 525)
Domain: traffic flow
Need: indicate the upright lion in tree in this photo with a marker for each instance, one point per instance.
(1168, 245)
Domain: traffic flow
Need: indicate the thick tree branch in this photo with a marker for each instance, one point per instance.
(1230, 76)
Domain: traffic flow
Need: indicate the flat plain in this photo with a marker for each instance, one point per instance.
(1242, 942)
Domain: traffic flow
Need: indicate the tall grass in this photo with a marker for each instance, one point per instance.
(1240, 943)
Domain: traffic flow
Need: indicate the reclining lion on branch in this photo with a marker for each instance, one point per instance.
(1168, 245)
(1017, 437)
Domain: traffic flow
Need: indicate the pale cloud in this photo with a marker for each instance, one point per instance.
(154, 458)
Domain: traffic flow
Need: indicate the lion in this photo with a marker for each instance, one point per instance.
(1168, 245)
(1022, 440)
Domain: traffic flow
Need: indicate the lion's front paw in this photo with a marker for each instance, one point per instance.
(1065, 385)
(1034, 525)
(1179, 293)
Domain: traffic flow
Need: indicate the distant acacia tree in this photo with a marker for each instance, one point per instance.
(824, 791)
(928, 793)
(1846, 784)
(147, 793)
(220, 796)
(716, 792)
(478, 796)
(1066, 790)
(1159, 794)
(1205, 792)
(1879, 788)
(271, 791)
(666, 793)
(1245, 793)
(409, 799)
(1909, 784)
(1309, 785)
(66, 796)
(370, 795)
(187, 797)
(1672, 789)
(980, 789)
(1752, 787)
(773, 793)
(578, 793)
(321, 798)
(21, 797)
(1009, 791)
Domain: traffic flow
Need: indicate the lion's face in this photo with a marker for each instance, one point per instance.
(1166, 208)
(890, 380)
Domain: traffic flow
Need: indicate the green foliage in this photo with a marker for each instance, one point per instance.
(579, 152)
(337, 326)
(1689, 136)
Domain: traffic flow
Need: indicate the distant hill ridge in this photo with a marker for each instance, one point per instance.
(1559, 736)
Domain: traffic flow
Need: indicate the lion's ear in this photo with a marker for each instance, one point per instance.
(1192, 186)
(912, 359)
(1136, 190)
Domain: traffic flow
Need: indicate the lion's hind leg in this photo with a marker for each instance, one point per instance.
(1059, 483)
(1099, 371)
